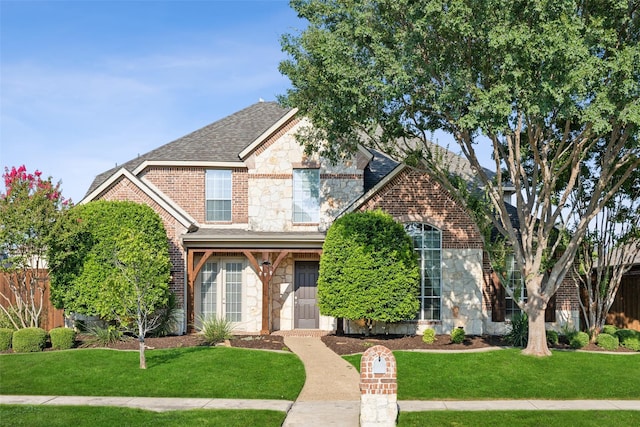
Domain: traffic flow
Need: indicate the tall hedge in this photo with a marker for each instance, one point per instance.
(368, 270)
(82, 255)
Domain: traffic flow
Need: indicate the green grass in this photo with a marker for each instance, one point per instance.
(519, 418)
(97, 416)
(507, 374)
(207, 372)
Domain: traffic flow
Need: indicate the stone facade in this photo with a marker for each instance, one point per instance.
(262, 201)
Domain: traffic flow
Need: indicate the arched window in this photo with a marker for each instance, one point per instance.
(427, 242)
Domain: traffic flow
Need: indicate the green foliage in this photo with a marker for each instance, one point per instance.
(457, 335)
(104, 336)
(579, 340)
(28, 340)
(608, 342)
(549, 88)
(8, 320)
(519, 330)
(92, 242)
(629, 338)
(552, 337)
(168, 320)
(632, 344)
(5, 338)
(215, 329)
(368, 270)
(609, 329)
(62, 338)
(429, 336)
(568, 332)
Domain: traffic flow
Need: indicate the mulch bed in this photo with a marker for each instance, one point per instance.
(341, 345)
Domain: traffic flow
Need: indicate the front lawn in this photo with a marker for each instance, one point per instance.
(206, 372)
(101, 416)
(519, 418)
(507, 374)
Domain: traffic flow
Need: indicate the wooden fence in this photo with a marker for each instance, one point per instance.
(625, 311)
(50, 317)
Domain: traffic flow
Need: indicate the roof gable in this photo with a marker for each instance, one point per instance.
(221, 141)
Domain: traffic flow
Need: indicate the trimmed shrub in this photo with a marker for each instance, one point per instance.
(609, 329)
(29, 340)
(629, 339)
(457, 335)
(62, 338)
(552, 337)
(5, 338)
(519, 332)
(215, 329)
(579, 340)
(632, 344)
(607, 341)
(429, 336)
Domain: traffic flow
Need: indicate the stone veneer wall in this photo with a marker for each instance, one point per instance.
(283, 295)
(270, 189)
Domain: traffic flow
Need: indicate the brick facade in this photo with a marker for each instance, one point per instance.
(414, 196)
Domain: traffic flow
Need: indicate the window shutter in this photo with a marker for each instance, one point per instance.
(550, 312)
(498, 303)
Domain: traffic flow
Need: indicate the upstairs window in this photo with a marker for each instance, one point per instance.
(218, 195)
(306, 195)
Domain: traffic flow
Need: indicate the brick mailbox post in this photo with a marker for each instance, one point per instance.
(378, 388)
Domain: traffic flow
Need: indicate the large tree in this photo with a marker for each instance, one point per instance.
(28, 210)
(368, 270)
(111, 259)
(550, 88)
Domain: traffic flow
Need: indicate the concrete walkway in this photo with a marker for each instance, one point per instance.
(331, 393)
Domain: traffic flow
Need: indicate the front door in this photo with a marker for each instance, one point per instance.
(306, 314)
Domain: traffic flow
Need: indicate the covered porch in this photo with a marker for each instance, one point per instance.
(273, 266)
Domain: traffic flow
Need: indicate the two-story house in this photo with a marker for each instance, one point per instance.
(246, 211)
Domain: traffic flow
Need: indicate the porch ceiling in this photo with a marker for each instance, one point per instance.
(230, 238)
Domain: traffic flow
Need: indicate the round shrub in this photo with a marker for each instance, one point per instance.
(632, 344)
(5, 338)
(625, 334)
(629, 338)
(62, 338)
(29, 340)
(457, 335)
(609, 329)
(607, 341)
(579, 340)
(552, 337)
(429, 336)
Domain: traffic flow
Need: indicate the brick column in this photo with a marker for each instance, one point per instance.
(378, 388)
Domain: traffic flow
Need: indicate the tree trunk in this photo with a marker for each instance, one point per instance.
(143, 359)
(537, 342)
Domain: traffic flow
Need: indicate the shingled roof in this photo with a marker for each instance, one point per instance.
(220, 141)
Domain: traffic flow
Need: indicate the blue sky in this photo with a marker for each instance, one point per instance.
(88, 84)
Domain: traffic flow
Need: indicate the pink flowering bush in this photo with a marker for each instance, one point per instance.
(29, 207)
